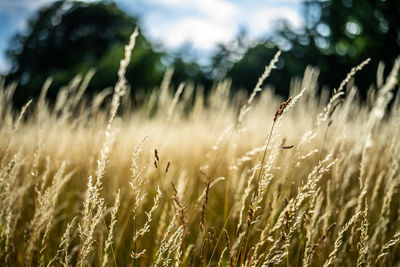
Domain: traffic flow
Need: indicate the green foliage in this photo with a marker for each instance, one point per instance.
(189, 71)
(349, 31)
(337, 35)
(68, 38)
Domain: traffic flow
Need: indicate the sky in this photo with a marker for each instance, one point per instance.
(201, 24)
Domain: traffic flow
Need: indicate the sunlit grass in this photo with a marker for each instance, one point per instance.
(202, 180)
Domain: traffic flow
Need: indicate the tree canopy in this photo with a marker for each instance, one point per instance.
(337, 35)
(69, 38)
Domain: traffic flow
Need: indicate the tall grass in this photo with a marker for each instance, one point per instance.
(188, 179)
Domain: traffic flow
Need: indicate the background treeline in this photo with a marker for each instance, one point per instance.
(68, 38)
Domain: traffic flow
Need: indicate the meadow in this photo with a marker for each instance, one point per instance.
(195, 179)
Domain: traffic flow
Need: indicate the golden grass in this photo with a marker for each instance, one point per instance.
(194, 180)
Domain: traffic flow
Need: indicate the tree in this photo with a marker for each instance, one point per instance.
(347, 32)
(189, 71)
(337, 35)
(69, 38)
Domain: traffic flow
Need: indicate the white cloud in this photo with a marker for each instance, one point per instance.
(263, 20)
(204, 23)
(218, 10)
(167, 2)
(202, 33)
(200, 22)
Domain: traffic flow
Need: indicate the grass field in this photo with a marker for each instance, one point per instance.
(189, 179)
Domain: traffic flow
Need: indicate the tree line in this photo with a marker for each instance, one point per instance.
(67, 38)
